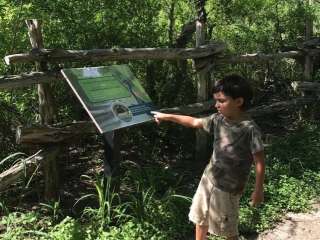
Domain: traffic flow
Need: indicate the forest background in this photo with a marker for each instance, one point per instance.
(158, 174)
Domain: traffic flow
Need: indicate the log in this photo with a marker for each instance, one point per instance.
(73, 132)
(20, 170)
(313, 52)
(191, 109)
(46, 135)
(207, 107)
(208, 63)
(306, 86)
(259, 57)
(282, 106)
(59, 55)
(312, 42)
(25, 79)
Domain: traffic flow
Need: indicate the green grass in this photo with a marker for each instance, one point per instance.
(154, 201)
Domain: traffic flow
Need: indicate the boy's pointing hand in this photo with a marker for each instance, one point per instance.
(158, 116)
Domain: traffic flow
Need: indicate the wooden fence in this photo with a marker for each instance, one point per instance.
(50, 135)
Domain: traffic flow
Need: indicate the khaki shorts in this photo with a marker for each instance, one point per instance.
(216, 209)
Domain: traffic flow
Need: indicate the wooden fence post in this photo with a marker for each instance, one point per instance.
(308, 64)
(308, 111)
(46, 111)
(202, 139)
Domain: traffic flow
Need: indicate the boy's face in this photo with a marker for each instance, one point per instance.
(228, 106)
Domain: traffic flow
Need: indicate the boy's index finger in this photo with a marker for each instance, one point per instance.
(154, 112)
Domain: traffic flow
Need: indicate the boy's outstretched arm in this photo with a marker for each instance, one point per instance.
(186, 121)
(257, 196)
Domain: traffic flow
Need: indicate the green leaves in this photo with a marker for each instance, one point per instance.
(292, 179)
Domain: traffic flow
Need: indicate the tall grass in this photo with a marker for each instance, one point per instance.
(109, 210)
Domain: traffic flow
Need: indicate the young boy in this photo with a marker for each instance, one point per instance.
(237, 144)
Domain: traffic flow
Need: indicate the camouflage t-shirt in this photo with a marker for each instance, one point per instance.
(233, 147)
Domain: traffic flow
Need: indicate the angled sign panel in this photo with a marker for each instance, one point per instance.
(112, 96)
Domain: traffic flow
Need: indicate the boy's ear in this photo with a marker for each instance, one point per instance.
(239, 101)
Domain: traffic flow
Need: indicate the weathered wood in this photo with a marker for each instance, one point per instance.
(260, 57)
(203, 80)
(26, 79)
(44, 135)
(51, 172)
(208, 63)
(191, 109)
(61, 55)
(19, 170)
(313, 42)
(47, 112)
(186, 34)
(68, 134)
(208, 107)
(46, 105)
(308, 64)
(281, 106)
(306, 86)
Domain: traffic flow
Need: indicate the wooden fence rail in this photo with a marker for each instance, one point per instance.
(61, 55)
(205, 57)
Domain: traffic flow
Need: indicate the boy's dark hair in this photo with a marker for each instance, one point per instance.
(235, 86)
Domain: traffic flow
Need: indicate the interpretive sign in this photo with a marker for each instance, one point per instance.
(112, 96)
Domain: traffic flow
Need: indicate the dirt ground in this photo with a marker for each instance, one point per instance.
(296, 226)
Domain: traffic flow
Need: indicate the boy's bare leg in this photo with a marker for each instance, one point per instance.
(201, 232)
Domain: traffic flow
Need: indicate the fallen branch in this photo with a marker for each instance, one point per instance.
(21, 169)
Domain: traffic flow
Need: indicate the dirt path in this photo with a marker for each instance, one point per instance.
(296, 226)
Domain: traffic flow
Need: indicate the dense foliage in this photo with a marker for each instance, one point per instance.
(156, 190)
(155, 202)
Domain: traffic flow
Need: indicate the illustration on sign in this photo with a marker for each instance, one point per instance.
(112, 96)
